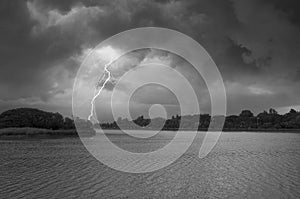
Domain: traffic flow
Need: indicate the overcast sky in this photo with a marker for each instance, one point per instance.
(255, 44)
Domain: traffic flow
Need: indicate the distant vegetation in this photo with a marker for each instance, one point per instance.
(30, 122)
(265, 121)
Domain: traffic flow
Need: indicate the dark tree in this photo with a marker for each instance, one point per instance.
(246, 114)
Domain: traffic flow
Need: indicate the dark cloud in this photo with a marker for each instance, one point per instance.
(27, 59)
(253, 42)
(289, 7)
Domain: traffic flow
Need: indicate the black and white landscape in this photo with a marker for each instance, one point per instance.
(44, 146)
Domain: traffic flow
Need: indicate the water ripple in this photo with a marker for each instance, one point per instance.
(242, 165)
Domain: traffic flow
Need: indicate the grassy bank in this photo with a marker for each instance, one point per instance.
(26, 132)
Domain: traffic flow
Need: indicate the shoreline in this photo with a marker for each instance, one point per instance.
(224, 130)
(37, 133)
(26, 133)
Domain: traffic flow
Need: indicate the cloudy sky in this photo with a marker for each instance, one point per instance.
(255, 44)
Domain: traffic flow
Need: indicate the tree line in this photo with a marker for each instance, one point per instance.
(246, 120)
(35, 118)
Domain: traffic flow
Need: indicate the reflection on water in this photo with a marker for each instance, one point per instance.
(252, 165)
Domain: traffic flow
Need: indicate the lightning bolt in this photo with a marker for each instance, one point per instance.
(98, 91)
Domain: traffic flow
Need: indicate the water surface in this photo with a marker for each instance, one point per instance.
(242, 165)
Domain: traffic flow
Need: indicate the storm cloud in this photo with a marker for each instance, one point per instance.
(255, 44)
